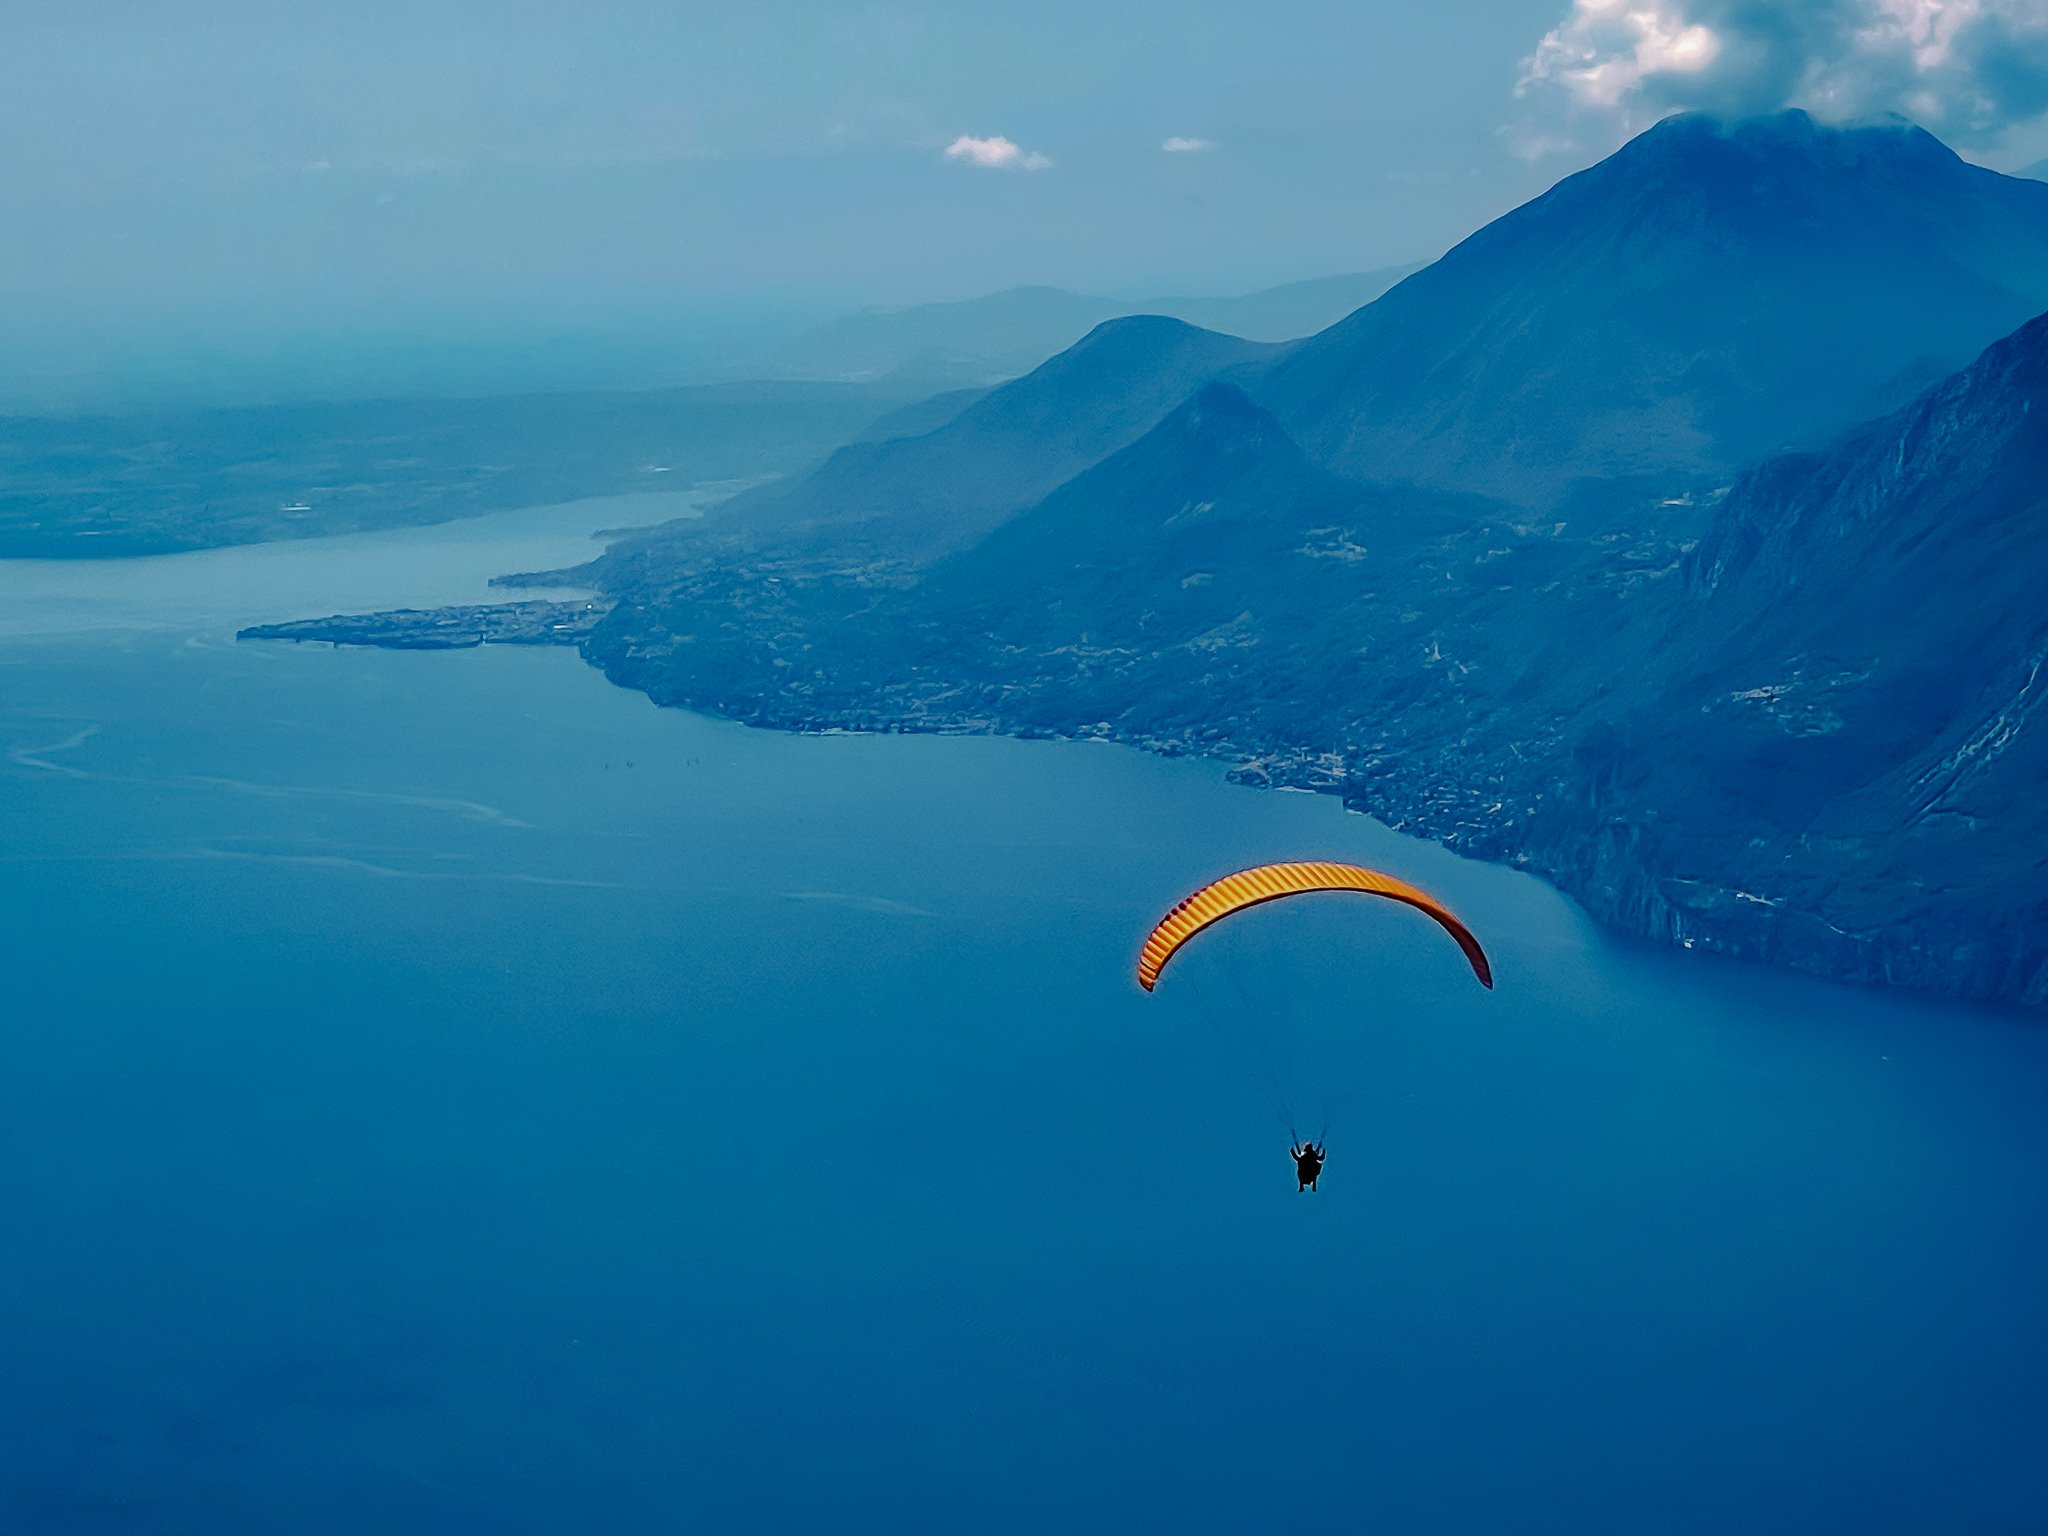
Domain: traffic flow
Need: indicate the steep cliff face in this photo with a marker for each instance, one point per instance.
(1857, 665)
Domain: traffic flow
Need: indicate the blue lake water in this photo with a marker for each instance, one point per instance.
(445, 1093)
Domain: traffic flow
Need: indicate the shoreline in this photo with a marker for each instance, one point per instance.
(1600, 869)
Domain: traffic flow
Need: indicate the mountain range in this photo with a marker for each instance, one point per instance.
(1678, 536)
(1704, 297)
(1797, 721)
(982, 341)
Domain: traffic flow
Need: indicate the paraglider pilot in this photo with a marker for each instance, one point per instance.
(1308, 1165)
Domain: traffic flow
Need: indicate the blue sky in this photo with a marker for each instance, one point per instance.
(433, 166)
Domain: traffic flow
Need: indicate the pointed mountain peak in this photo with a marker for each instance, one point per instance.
(1221, 406)
(1219, 418)
(1215, 439)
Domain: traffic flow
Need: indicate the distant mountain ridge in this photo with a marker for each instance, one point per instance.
(982, 341)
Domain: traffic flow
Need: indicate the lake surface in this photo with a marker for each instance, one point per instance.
(445, 1093)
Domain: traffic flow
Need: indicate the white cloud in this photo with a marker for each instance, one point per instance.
(996, 154)
(1180, 146)
(1968, 69)
(1605, 50)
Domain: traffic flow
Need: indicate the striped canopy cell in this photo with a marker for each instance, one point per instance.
(1269, 882)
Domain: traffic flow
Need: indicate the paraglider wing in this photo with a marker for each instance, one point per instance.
(1269, 882)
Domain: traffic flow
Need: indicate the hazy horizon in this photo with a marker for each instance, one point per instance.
(379, 192)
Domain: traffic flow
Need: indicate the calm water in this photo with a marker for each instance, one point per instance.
(445, 1093)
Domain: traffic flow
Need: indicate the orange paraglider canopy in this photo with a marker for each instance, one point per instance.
(1269, 882)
